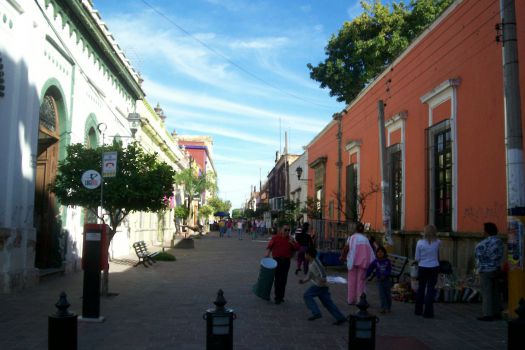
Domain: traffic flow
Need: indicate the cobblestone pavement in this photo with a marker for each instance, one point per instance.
(161, 307)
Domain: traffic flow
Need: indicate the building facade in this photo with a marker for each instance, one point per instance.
(72, 84)
(443, 102)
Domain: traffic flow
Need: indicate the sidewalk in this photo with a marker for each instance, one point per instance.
(161, 307)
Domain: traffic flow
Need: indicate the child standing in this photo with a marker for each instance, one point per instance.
(382, 268)
(317, 274)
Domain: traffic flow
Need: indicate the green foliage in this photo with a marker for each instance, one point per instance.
(165, 256)
(312, 208)
(366, 45)
(261, 209)
(249, 213)
(141, 182)
(205, 211)
(195, 184)
(288, 215)
(219, 205)
(237, 213)
(181, 212)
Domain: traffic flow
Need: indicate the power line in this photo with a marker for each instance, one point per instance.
(227, 59)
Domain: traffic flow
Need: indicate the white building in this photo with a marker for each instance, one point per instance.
(65, 80)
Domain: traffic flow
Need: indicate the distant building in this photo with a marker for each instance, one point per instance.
(200, 151)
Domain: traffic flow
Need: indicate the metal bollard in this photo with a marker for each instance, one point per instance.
(219, 325)
(62, 327)
(362, 327)
(516, 331)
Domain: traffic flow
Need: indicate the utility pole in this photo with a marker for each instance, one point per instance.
(514, 150)
(385, 187)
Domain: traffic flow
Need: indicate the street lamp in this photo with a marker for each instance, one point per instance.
(362, 327)
(299, 172)
(219, 325)
(134, 123)
(102, 127)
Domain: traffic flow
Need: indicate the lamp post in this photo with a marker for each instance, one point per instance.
(219, 325)
(134, 123)
(362, 327)
(102, 127)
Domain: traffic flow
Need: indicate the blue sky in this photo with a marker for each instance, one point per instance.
(234, 70)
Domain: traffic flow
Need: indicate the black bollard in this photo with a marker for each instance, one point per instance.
(362, 327)
(219, 325)
(62, 327)
(516, 331)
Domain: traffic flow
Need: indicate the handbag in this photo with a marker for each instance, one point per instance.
(414, 271)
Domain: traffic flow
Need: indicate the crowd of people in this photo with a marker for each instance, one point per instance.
(365, 260)
(253, 227)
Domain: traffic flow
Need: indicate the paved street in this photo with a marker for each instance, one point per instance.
(161, 307)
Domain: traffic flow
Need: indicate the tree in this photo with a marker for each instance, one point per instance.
(237, 213)
(366, 45)
(219, 205)
(194, 185)
(312, 208)
(141, 184)
(261, 209)
(205, 211)
(361, 202)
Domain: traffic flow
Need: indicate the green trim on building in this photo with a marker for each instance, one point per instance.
(91, 122)
(100, 50)
(53, 86)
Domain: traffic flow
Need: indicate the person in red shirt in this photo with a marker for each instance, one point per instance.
(281, 246)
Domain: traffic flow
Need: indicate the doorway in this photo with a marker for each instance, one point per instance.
(46, 219)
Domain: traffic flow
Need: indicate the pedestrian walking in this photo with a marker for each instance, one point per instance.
(358, 254)
(229, 227)
(305, 241)
(427, 258)
(239, 229)
(489, 257)
(319, 288)
(281, 246)
(381, 267)
(222, 228)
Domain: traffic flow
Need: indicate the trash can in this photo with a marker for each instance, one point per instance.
(263, 287)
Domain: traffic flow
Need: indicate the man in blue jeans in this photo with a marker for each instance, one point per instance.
(319, 288)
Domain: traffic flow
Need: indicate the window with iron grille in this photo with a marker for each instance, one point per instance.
(439, 143)
(395, 170)
(351, 192)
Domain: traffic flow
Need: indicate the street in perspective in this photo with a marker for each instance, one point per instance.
(253, 174)
(163, 306)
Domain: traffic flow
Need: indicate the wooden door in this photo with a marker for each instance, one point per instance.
(46, 216)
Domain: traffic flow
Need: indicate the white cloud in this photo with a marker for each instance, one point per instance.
(202, 101)
(260, 43)
(231, 133)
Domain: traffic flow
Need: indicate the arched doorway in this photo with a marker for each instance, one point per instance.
(47, 222)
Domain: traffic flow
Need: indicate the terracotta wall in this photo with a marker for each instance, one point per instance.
(459, 46)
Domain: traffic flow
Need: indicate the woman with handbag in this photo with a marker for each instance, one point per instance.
(427, 258)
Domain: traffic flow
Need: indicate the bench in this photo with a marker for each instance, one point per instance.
(143, 254)
(398, 266)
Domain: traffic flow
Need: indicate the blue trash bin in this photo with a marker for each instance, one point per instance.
(263, 287)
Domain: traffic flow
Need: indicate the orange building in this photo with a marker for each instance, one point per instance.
(445, 136)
